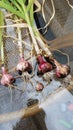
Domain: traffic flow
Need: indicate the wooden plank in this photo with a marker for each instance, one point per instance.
(61, 42)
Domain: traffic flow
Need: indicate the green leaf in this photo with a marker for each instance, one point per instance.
(30, 2)
(1, 34)
(21, 2)
(1, 24)
(16, 5)
(10, 8)
(31, 15)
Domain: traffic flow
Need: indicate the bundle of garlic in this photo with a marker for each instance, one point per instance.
(25, 10)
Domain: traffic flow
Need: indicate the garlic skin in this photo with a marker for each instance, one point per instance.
(62, 70)
(39, 87)
(48, 76)
(23, 66)
(43, 66)
(6, 78)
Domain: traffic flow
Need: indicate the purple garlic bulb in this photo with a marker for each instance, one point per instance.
(43, 66)
(6, 78)
(23, 65)
(62, 70)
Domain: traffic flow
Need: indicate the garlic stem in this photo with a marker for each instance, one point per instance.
(19, 42)
(34, 40)
(44, 46)
(29, 20)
